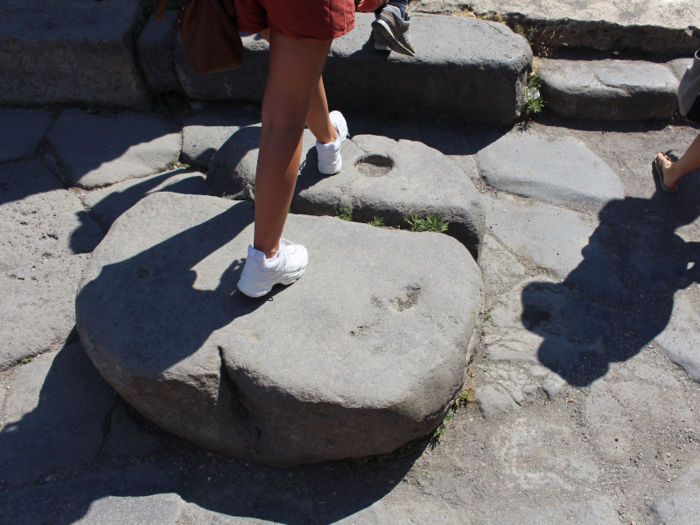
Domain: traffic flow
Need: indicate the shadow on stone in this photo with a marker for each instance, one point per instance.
(621, 296)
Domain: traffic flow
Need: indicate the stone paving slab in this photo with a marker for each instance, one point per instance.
(652, 27)
(107, 204)
(682, 502)
(203, 135)
(78, 52)
(81, 500)
(21, 130)
(39, 219)
(126, 438)
(159, 509)
(381, 178)
(554, 169)
(313, 402)
(681, 338)
(53, 416)
(476, 70)
(608, 89)
(548, 236)
(37, 309)
(99, 150)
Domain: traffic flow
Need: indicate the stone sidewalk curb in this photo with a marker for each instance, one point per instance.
(476, 70)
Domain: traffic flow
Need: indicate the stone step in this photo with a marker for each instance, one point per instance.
(364, 353)
(465, 69)
(610, 89)
(78, 53)
(605, 25)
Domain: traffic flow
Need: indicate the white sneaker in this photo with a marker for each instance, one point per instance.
(261, 274)
(329, 160)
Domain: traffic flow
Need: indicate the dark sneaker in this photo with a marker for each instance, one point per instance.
(394, 30)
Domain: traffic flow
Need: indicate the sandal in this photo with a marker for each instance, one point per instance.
(658, 170)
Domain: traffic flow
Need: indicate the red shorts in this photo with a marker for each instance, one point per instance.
(298, 19)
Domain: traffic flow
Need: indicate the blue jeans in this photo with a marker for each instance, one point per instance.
(401, 4)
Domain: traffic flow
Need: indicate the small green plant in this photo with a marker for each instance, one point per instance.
(26, 360)
(465, 397)
(344, 213)
(487, 315)
(533, 99)
(432, 223)
(376, 221)
(441, 428)
(542, 43)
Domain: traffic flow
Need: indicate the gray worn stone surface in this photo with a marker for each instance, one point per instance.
(21, 130)
(53, 416)
(130, 495)
(107, 204)
(76, 52)
(679, 66)
(635, 412)
(608, 89)
(500, 269)
(203, 135)
(652, 27)
(475, 71)
(548, 236)
(371, 362)
(155, 54)
(126, 438)
(681, 337)
(39, 219)
(495, 400)
(37, 310)
(98, 150)
(681, 505)
(560, 170)
(160, 509)
(380, 178)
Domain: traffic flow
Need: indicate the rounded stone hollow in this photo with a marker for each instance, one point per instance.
(361, 355)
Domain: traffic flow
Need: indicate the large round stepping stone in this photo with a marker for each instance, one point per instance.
(381, 178)
(364, 353)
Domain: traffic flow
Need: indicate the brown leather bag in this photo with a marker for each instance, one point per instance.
(209, 34)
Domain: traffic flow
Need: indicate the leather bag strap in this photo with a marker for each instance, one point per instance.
(160, 9)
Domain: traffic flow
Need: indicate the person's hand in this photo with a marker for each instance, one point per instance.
(368, 6)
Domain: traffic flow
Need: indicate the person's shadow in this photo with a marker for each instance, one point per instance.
(620, 297)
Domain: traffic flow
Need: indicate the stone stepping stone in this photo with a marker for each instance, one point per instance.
(203, 135)
(37, 309)
(464, 69)
(21, 130)
(361, 355)
(53, 416)
(608, 89)
(550, 237)
(559, 170)
(381, 178)
(99, 150)
(78, 53)
(39, 219)
(107, 204)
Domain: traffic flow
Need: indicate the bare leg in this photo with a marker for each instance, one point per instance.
(673, 171)
(317, 121)
(292, 87)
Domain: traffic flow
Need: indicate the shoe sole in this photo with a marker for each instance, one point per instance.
(257, 289)
(383, 27)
